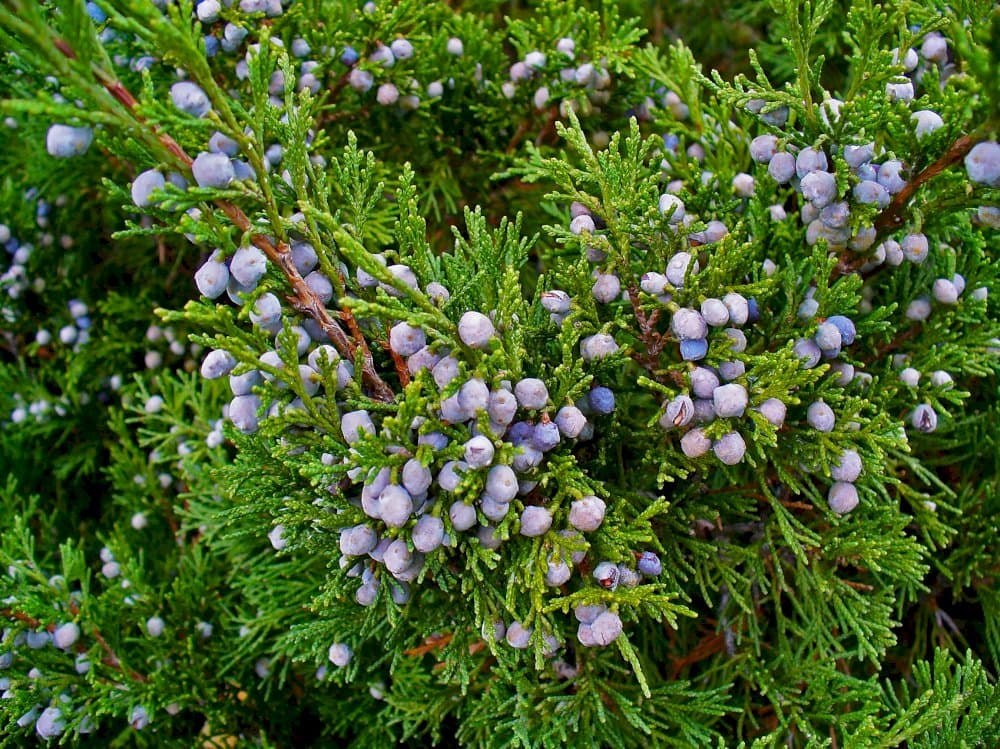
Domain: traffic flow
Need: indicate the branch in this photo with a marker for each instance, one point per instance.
(304, 300)
(892, 217)
(110, 657)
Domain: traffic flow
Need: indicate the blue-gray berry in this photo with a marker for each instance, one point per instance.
(475, 329)
(924, 418)
(842, 497)
(730, 448)
(649, 564)
(847, 468)
(63, 141)
(212, 170)
(531, 393)
(821, 417)
(535, 521)
(587, 513)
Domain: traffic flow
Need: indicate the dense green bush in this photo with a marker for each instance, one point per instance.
(499, 374)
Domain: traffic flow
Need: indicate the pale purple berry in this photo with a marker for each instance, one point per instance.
(819, 188)
(501, 483)
(406, 339)
(855, 156)
(944, 291)
(266, 311)
(416, 478)
(479, 452)
(535, 521)
(940, 378)
(935, 48)
(730, 448)
(502, 406)
(915, 247)
(982, 163)
(695, 443)
(354, 423)
(739, 308)
(66, 635)
(606, 628)
(248, 265)
(732, 370)
(910, 377)
(587, 513)
(606, 288)
(715, 312)
(144, 185)
(473, 396)
(924, 418)
(762, 148)
(558, 573)
(462, 516)
(217, 363)
(570, 421)
(606, 574)
(395, 506)
(703, 382)
(427, 534)
(212, 170)
(842, 497)
(320, 286)
(518, 636)
(678, 412)
(809, 161)
(807, 350)
(730, 400)
(782, 167)
(672, 206)
(871, 193)
(50, 723)
(677, 268)
(847, 468)
(475, 329)
(821, 417)
(357, 540)
(653, 283)
(212, 278)
(397, 557)
(597, 346)
(890, 176)
(919, 309)
(339, 654)
(63, 141)
(587, 614)
(582, 223)
(190, 98)
(688, 325)
(243, 412)
(531, 393)
(556, 301)
(927, 121)
(774, 411)
(649, 564)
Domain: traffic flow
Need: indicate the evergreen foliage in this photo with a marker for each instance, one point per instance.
(497, 374)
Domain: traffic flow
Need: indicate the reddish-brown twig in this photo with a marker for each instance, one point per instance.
(303, 300)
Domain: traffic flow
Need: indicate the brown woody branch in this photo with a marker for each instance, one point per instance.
(892, 217)
(303, 300)
(110, 657)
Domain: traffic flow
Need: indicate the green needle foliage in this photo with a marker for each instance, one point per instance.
(499, 374)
